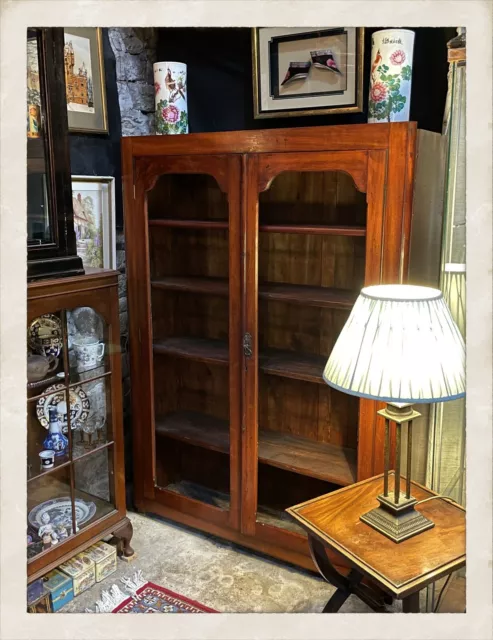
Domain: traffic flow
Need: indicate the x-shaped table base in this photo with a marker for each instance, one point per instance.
(352, 584)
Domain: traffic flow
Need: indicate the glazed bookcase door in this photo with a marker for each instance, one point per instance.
(309, 224)
(186, 211)
(79, 492)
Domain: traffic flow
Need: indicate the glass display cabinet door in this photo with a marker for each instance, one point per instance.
(40, 229)
(70, 456)
(310, 237)
(51, 239)
(193, 266)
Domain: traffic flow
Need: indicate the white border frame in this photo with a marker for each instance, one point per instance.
(15, 622)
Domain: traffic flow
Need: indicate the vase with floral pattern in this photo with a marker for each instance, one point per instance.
(170, 89)
(391, 74)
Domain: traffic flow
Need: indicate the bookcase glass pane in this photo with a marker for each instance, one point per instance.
(314, 198)
(49, 511)
(94, 482)
(89, 346)
(311, 268)
(187, 196)
(96, 429)
(189, 267)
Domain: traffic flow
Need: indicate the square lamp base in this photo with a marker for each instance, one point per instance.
(397, 521)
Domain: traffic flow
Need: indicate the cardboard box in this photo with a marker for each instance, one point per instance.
(104, 557)
(60, 587)
(82, 570)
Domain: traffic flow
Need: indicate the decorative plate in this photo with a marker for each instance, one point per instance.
(60, 512)
(44, 335)
(79, 405)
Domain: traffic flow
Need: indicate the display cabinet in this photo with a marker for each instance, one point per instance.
(245, 252)
(75, 462)
(51, 241)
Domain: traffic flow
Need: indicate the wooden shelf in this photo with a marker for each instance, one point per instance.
(277, 362)
(189, 224)
(314, 459)
(306, 295)
(198, 349)
(314, 229)
(320, 460)
(195, 428)
(290, 364)
(297, 294)
(212, 286)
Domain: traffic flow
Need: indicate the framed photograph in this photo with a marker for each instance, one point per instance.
(302, 72)
(93, 199)
(84, 80)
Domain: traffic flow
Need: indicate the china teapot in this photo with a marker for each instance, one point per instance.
(38, 366)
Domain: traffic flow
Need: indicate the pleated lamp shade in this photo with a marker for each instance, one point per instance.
(400, 344)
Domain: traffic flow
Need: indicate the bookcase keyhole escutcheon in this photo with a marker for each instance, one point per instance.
(245, 252)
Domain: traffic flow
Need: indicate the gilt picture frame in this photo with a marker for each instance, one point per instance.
(85, 80)
(301, 71)
(93, 199)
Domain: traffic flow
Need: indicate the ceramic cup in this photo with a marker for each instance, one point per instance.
(47, 459)
(88, 352)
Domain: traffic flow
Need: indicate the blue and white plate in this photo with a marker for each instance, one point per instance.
(79, 405)
(60, 512)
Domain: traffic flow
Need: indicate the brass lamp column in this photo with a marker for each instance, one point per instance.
(396, 516)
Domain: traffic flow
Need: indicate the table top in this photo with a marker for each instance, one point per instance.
(402, 568)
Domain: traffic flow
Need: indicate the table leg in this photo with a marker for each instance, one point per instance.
(345, 585)
(410, 604)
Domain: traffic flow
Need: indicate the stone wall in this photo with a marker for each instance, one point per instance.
(135, 53)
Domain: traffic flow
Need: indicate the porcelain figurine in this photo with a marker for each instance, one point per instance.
(47, 531)
(62, 531)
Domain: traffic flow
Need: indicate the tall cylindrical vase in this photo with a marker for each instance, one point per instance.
(391, 73)
(170, 88)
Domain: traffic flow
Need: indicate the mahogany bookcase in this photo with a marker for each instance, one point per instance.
(245, 253)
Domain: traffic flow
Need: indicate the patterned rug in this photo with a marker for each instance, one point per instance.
(146, 597)
(151, 598)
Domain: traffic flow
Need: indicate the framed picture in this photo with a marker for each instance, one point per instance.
(84, 80)
(302, 72)
(93, 199)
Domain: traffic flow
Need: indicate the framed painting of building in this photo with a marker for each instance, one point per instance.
(93, 199)
(84, 80)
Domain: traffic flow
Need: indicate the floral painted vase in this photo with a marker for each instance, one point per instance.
(170, 87)
(391, 72)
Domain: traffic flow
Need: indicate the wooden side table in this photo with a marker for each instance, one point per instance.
(382, 570)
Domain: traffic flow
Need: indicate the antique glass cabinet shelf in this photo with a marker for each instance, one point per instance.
(75, 472)
(246, 251)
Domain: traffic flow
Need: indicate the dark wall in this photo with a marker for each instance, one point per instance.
(96, 154)
(220, 93)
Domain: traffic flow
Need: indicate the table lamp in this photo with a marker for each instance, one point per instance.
(400, 345)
